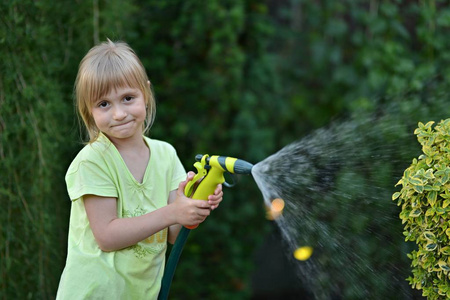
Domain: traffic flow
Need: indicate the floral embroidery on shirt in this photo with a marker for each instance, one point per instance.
(138, 211)
(151, 245)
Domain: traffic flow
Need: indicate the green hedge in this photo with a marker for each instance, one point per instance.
(241, 78)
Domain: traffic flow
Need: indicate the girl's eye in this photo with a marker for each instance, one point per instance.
(103, 104)
(128, 98)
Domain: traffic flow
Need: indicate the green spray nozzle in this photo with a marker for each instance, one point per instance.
(210, 171)
(226, 163)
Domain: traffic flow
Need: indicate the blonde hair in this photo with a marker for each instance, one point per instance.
(106, 66)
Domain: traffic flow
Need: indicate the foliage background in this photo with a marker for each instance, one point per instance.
(242, 78)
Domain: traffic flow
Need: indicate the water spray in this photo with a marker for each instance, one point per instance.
(210, 170)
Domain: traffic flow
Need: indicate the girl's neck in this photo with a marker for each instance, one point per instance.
(135, 143)
(136, 155)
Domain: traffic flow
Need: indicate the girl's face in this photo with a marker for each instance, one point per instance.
(121, 114)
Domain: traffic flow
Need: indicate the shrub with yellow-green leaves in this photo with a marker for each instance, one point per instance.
(425, 201)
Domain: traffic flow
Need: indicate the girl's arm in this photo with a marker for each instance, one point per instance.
(113, 233)
(213, 200)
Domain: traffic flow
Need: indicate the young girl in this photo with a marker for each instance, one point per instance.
(123, 185)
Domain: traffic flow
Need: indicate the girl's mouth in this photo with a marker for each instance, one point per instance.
(122, 124)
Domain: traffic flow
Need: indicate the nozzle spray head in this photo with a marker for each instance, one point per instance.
(228, 164)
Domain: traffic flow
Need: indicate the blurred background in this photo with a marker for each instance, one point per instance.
(242, 78)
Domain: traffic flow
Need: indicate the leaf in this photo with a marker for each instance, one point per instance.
(431, 197)
(396, 195)
(429, 235)
(444, 179)
(436, 187)
(415, 181)
(429, 174)
(415, 213)
(446, 203)
(445, 250)
(428, 151)
(418, 188)
(440, 210)
(443, 265)
(430, 246)
(439, 173)
(430, 212)
(428, 188)
(429, 124)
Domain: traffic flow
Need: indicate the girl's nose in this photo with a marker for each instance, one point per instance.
(119, 113)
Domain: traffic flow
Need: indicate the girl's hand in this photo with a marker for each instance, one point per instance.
(188, 211)
(214, 200)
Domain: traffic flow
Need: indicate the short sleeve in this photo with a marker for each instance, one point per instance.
(86, 177)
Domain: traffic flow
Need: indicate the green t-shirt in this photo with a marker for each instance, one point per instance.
(134, 272)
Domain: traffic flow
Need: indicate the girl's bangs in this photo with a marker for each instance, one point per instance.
(112, 75)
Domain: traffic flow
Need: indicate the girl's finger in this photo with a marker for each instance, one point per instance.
(215, 197)
(190, 175)
(218, 189)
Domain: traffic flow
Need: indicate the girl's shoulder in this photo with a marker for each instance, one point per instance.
(96, 148)
(160, 146)
(95, 152)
